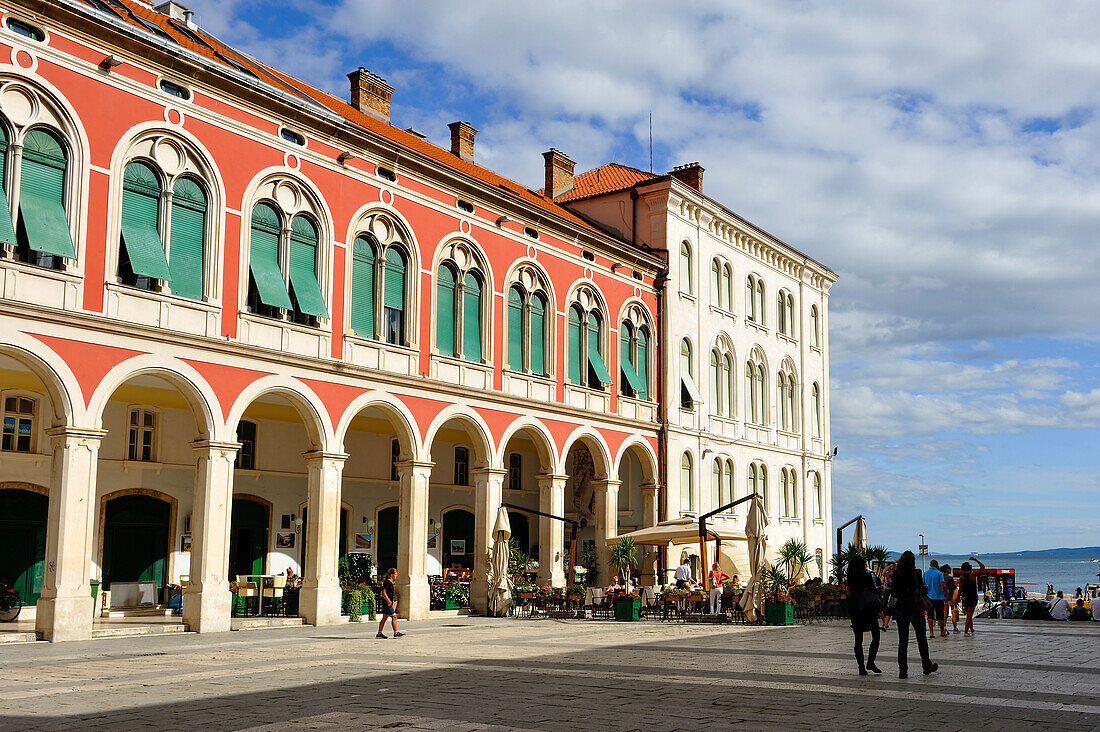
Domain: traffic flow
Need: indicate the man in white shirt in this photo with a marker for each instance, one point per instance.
(683, 575)
(1059, 607)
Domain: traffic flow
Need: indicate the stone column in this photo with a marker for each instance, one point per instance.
(649, 554)
(489, 482)
(65, 607)
(319, 602)
(412, 539)
(552, 560)
(206, 598)
(607, 524)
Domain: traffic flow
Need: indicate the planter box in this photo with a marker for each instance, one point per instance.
(628, 609)
(696, 597)
(240, 604)
(290, 603)
(779, 613)
(452, 605)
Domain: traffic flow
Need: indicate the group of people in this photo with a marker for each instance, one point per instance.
(686, 581)
(1060, 609)
(910, 599)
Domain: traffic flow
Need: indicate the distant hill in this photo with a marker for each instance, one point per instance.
(1081, 551)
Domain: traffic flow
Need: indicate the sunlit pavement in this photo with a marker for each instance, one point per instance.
(474, 673)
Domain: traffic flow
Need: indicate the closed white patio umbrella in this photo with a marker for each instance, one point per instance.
(500, 584)
(860, 536)
(752, 599)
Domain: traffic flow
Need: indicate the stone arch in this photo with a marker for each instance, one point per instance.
(647, 456)
(184, 378)
(474, 426)
(309, 406)
(53, 373)
(597, 446)
(395, 412)
(538, 434)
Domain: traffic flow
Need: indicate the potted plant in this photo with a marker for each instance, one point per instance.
(628, 606)
(353, 603)
(525, 592)
(778, 608)
(576, 591)
(673, 594)
(455, 596)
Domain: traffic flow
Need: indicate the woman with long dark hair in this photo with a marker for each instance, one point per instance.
(864, 606)
(910, 603)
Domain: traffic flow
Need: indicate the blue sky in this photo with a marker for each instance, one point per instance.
(945, 161)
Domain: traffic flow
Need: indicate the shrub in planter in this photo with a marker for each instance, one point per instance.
(455, 596)
(353, 603)
(369, 604)
(576, 591)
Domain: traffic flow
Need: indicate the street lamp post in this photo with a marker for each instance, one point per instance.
(922, 553)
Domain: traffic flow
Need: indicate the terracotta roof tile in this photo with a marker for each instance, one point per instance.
(345, 110)
(604, 179)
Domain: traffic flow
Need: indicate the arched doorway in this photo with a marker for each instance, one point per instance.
(136, 540)
(248, 537)
(387, 539)
(23, 541)
(458, 540)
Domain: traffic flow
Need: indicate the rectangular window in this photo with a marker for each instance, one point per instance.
(143, 425)
(515, 472)
(462, 466)
(246, 435)
(18, 424)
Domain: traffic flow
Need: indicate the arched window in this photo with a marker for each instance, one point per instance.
(790, 317)
(727, 483)
(762, 485)
(471, 317)
(727, 384)
(642, 365)
(716, 283)
(585, 338)
(727, 285)
(785, 313)
(363, 269)
(283, 262)
(792, 488)
(717, 404)
(380, 281)
(781, 402)
(756, 391)
(689, 392)
(687, 499)
(752, 479)
(634, 353)
(186, 245)
(819, 498)
(526, 322)
(716, 484)
(815, 400)
(685, 268)
(393, 296)
(760, 312)
(460, 304)
(790, 404)
(43, 236)
(784, 510)
(815, 327)
(750, 298)
(752, 410)
(142, 262)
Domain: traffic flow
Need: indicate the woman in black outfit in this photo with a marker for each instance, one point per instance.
(863, 607)
(908, 591)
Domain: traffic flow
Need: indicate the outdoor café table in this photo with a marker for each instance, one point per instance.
(260, 590)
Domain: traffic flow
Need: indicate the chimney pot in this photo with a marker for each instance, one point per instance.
(370, 94)
(173, 10)
(559, 173)
(462, 140)
(690, 175)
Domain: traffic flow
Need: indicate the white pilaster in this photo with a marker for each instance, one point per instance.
(65, 606)
(206, 598)
(412, 540)
(489, 482)
(607, 524)
(320, 594)
(551, 531)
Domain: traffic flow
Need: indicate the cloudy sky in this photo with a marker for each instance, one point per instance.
(944, 160)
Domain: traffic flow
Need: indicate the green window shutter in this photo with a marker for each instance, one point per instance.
(7, 229)
(515, 328)
(362, 287)
(538, 335)
(642, 366)
(630, 374)
(264, 257)
(188, 238)
(574, 356)
(140, 222)
(471, 318)
(394, 284)
(303, 267)
(42, 196)
(595, 360)
(445, 310)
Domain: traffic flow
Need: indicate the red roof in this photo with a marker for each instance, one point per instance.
(211, 48)
(604, 179)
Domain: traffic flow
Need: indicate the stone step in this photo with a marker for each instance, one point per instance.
(160, 611)
(120, 631)
(18, 637)
(263, 623)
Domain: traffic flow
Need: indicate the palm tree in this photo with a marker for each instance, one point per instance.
(839, 563)
(794, 555)
(623, 555)
(878, 557)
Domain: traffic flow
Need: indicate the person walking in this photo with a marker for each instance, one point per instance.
(933, 580)
(389, 606)
(887, 595)
(716, 589)
(910, 602)
(968, 594)
(950, 601)
(864, 606)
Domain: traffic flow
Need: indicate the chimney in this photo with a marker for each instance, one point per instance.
(370, 94)
(691, 175)
(173, 10)
(462, 140)
(559, 173)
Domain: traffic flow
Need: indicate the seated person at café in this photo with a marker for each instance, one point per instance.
(1080, 612)
(1004, 612)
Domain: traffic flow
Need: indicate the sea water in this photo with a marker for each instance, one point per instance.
(1066, 572)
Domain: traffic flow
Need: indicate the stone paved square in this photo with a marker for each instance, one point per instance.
(482, 674)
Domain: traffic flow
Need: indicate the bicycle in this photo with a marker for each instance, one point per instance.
(10, 604)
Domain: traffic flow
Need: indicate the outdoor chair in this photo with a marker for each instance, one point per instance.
(649, 601)
(275, 593)
(600, 604)
(590, 602)
(246, 590)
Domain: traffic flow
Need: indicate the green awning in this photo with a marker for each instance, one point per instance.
(47, 225)
(146, 250)
(7, 231)
(596, 361)
(269, 282)
(689, 386)
(632, 378)
(308, 292)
